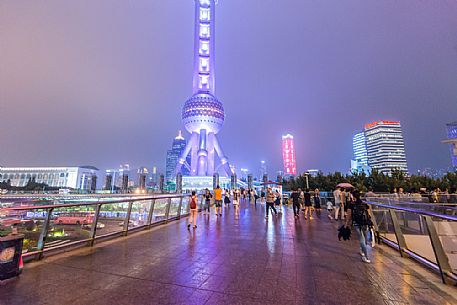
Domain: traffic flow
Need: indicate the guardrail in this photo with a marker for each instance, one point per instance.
(427, 236)
(54, 227)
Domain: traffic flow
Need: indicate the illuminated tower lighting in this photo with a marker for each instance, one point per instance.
(203, 114)
(288, 155)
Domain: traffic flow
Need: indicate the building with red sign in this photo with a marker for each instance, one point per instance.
(288, 155)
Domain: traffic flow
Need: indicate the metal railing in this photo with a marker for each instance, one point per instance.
(52, 227)
(426, 235)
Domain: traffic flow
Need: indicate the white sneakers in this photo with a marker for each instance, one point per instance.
(365, 260)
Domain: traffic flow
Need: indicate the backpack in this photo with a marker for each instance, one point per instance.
(360, 215)
(193, 203)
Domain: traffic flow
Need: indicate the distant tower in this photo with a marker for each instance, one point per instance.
(288, 155)
(203, 114)
(452, 141)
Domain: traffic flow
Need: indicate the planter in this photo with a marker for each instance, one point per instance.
(10, 255)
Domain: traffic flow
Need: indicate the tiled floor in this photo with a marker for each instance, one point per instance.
(234, 259)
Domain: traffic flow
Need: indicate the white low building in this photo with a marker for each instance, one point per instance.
(78, 177)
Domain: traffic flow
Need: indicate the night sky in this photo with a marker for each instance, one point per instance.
(103, 82)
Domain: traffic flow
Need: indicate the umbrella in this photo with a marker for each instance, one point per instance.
(345, 185)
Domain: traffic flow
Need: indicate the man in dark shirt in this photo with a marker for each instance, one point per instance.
(295, 202)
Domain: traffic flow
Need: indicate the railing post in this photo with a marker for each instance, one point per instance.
(398, 233)
(375, 225)
(93, 229)
(179, 209)
(151, 212)
(168, 210)
(44, 234)
(440, 255)
(127, 219)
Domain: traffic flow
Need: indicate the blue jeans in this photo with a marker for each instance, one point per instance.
(362, 231)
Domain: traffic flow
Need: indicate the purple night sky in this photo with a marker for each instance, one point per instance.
(102, 82)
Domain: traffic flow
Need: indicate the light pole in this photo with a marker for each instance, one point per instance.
(306, 177)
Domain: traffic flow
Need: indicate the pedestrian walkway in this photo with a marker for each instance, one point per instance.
(233, 259)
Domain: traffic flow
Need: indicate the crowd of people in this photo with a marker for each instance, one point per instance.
(346, 206)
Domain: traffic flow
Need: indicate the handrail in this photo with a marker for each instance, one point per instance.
(415, 211)
(178, 211)
(426, 220)
(43, 207)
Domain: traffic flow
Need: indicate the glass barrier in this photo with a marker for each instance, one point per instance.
(111, 218)
(160, 209)
(447, 232)
(140, 213)
(185, 206)
(384, 222)
(174, 207)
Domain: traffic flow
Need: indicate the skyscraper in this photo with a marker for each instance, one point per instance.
(203, 114)
(385, 146)
(452, 141)
(360, 158)
(288, 155)
(177, 148)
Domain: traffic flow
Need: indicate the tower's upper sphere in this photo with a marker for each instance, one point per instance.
(203, 111)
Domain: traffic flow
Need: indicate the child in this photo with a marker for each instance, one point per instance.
(329, 209)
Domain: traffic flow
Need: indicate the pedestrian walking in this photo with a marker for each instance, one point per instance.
(207, 205)
(278, 201)
(337, 196)
(262, 196)
(193, 210)
(359, 217)
(295, 202)
(236, 200)
(270, 203)
(307, 196)
(317, 199)
(218, 200)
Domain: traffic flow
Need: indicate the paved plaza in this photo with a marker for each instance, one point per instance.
(234, 259)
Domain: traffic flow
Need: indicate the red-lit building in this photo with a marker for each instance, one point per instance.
(288, 155)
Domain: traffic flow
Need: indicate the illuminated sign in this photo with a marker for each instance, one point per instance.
(367, 126)
(288, 155)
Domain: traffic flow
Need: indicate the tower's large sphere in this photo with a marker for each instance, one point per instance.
(203, 111)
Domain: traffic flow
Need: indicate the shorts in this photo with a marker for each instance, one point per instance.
(218, 203)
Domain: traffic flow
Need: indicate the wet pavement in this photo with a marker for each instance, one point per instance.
(234, 259)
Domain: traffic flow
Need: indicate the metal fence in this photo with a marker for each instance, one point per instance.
(421, 232)
(53, 227)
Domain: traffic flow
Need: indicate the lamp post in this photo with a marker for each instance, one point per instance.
(306, 177)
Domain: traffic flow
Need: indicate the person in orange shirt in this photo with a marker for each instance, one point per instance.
(218, 200)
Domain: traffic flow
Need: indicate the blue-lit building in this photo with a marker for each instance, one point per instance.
(452, 141)
(360, 158)
(177, 148)
(380, 146)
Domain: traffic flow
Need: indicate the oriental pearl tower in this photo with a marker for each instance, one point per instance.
(203, 114)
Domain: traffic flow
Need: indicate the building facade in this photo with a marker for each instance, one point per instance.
(385, 146)
(288, 155)
(80, 178)
(173, 154)
(359, 162)
(451, 129)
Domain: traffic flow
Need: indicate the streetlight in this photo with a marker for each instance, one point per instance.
(306, 177)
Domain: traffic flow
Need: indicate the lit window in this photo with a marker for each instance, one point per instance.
(204, 47)
(204, 65)
(204, 31)
(204, 14)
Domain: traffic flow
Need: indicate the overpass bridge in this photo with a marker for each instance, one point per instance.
(239, 258)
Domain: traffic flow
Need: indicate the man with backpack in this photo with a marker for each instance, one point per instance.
(359, 217)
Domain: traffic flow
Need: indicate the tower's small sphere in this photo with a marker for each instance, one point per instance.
(203, 111)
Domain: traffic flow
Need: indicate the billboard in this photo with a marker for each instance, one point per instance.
(288, 155)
